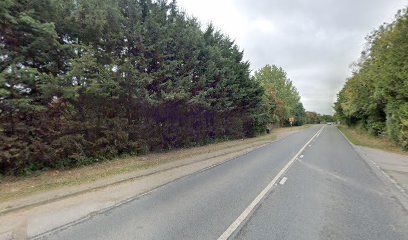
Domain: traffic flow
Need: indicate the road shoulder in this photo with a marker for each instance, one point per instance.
(390, 167)
(393, 164)
(66, 206)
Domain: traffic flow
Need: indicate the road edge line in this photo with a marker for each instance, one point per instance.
(5, 211)
(137, 196)
(261, 196)
(399, 192)
(131, 178)
(106, 209)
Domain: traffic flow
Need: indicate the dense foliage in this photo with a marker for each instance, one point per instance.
(313, 118)
(376, 95)
(84, 80)
(281, 99)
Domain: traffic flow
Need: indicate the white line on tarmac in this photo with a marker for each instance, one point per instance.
(231, 229)
(283, 180)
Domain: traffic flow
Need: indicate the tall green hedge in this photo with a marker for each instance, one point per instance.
(85, 80)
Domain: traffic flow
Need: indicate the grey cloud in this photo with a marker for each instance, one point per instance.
(337, 14)
(315, 41)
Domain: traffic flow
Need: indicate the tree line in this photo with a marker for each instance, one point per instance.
(376, 95)
(281, 99)
(315, 118)
(82, 81)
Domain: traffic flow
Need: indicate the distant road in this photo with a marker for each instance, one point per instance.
(327, 192)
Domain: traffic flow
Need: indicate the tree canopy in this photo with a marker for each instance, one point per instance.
(281, 97)
(376, 95)
(86, 80)
(313, 118)
(82, 81)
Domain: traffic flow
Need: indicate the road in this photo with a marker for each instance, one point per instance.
(328, 192)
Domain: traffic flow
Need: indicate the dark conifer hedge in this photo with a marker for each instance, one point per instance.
(86, 80)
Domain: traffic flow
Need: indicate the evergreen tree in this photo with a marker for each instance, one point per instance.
(88, 80)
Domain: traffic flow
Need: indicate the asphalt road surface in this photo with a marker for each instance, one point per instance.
(328, 192)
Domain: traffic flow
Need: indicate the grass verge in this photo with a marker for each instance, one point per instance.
(361, 137)
(17, 187)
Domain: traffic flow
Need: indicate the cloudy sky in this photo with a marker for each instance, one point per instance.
(315, 41)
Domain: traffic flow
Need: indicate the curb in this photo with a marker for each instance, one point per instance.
(53, 199)
(127, 200)
(395, 188)
(244, 151)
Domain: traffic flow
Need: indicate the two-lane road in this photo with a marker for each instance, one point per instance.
(329, 193)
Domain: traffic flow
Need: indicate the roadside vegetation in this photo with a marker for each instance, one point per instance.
(375, 97)
(281, 99)
(361, 137)
(14, 187)
(314, 118)
(84, 81)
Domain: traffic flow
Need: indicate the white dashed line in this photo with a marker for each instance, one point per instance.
(241, 218)
(283, 180)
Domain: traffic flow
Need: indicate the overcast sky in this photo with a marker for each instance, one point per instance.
(315, 41)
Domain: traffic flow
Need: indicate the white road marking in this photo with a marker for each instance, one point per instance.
(241, 218)
(319, 133)
(283, 180)
(375, 164)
